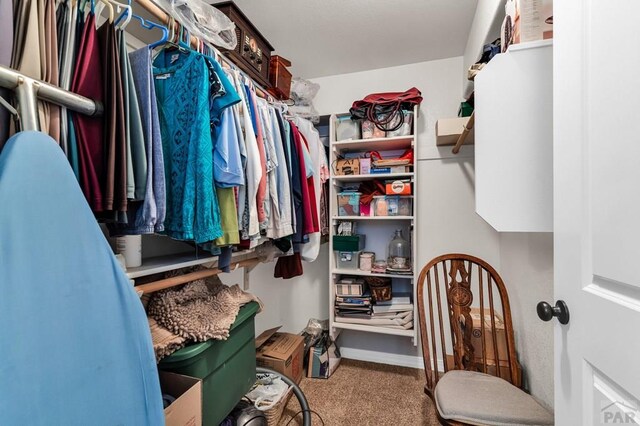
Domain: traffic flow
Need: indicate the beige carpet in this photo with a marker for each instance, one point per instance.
(364, 393)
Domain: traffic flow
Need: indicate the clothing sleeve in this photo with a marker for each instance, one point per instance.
(227, 163)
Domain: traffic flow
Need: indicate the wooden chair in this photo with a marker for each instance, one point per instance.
(474, 387)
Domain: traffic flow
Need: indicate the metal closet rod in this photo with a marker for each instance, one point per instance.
(29, 90)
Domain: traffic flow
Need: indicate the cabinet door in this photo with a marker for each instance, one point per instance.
(514, 139)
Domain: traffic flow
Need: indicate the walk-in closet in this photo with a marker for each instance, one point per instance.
(293, 212)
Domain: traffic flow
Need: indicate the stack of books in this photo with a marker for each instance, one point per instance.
(395, 313)
(354, 306)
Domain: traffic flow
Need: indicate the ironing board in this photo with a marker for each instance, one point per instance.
(75, 346)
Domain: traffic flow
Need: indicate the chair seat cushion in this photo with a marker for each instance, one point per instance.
(480, 399)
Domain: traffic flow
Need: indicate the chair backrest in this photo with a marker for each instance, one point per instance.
(465, 319)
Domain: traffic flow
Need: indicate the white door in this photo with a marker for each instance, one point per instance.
(597, 210)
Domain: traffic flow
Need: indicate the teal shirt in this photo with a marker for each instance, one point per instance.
(182, 90)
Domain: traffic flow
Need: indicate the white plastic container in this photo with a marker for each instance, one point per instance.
(347, 129)
(130, 246)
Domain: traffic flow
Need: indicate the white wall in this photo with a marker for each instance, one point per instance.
(485, 28)
(527, 269)
(289, 303)
(448, 222)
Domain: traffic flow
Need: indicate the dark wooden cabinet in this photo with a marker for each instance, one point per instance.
(253, 52)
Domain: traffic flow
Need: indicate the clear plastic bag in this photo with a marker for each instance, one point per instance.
(203, 21)
(302, 94)
(267, 391)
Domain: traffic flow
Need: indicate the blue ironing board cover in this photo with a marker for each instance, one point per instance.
(75, 345)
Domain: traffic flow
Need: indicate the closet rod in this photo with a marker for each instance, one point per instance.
(192, 276)
(165, 19)
(465, 132)
(29, 90)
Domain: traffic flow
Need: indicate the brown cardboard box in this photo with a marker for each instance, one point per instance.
(282, 352)
(448, 130)
(476, 339)
(186, 410)
(491, 367)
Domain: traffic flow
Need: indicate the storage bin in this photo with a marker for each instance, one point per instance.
(349, 204)
(404, 129)
(347, 129)
(227, 367)
(347, 259)
(370, 131)
(348, 242)
(392, 205)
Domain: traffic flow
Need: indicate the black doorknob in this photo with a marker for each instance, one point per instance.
(546, 312)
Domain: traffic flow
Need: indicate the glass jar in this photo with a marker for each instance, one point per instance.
(366, 260)
(379, 267)
(399, 253)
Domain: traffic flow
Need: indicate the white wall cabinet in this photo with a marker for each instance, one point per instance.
(514, 139)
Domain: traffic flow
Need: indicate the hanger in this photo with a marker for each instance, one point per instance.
(126, 15)
(151, 25)
(103, 4)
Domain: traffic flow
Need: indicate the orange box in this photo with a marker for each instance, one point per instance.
(398, 187)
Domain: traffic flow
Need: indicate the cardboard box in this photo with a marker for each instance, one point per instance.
(348, 167)
(476, 337)
(491, 368)
(398, 187)
(282, 352)
(448, 130)
(186, 410)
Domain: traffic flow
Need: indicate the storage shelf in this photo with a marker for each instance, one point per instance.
(372, 176)
(372, 217)
(376, 228)
(360, 273)
(156, 265)
(378, 144)
(374, 329)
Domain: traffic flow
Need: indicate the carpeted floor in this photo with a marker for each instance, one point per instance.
(364, 393)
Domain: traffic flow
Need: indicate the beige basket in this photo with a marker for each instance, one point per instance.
(274, 413)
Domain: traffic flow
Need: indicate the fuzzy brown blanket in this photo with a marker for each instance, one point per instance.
(200, 310)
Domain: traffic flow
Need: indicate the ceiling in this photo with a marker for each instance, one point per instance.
(328, 37)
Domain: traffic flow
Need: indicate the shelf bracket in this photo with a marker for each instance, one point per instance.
(246, 276)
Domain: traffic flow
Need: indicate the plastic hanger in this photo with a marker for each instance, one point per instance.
(104, 3)
(126, 15)
(149, 25)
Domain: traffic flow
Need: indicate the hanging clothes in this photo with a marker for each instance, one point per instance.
(146, 216)
(35, 53)
(88, 81)
(182, 89)
(136, 155)
(311, 250)
(115, 138)
(283, 227)
(262, 186)
(309, 214)
(248, 195)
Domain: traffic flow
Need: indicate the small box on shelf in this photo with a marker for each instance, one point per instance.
(391, 205)
(349, 204)
(348, 242)
(347, 259)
